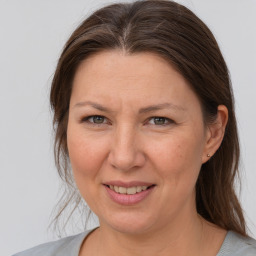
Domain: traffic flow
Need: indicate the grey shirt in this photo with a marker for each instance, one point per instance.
(233, 245)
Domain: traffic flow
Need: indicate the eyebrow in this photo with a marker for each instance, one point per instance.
(161, 106)
(92, 104)
(147, 109)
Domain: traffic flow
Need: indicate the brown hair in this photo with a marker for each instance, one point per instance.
(180, 37)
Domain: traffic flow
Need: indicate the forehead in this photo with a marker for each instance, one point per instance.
(115, 75)
(117, 65)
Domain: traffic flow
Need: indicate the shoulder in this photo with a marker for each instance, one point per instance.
(69, 246)
(237, 245)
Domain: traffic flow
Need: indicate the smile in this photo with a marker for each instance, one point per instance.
(128, 191)
(131, 194)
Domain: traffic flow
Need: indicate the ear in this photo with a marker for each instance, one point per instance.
(215, 133)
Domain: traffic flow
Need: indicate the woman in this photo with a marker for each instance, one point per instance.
(143, 111)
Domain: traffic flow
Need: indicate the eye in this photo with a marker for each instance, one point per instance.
(95, 119)
(158, 120)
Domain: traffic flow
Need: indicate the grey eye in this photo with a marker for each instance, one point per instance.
(97, 119)
(159, 120)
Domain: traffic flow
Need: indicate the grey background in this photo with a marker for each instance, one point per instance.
(32, 34)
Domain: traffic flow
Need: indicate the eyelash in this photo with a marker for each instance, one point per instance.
(167, 121)
(86, 119)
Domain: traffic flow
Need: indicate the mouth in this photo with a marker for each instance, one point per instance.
(129, 193)
(129, 190)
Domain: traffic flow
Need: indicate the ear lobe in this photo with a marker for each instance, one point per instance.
(215, 133)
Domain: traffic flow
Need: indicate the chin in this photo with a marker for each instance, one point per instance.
(131, 229)
(131, 223)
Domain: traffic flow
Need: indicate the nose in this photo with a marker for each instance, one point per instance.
(126, 153)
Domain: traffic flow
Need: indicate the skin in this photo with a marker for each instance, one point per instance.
(129, 145)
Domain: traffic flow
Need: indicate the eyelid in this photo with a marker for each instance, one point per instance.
(169, 121)
(86, 119)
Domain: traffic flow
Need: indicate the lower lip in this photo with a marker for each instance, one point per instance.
(124, 199)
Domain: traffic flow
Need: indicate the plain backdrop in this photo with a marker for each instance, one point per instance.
(32, 34)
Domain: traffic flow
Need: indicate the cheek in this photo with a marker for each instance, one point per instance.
(86, 154)
(179, 159)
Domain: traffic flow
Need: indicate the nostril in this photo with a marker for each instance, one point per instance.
(125, 161)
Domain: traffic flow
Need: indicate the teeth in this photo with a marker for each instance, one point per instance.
(131, 191)
(138, 189)
(128, 191)
(122, 190)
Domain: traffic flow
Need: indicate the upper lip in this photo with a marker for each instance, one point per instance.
(129, 184)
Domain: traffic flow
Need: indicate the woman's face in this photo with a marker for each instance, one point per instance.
(136, 140)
